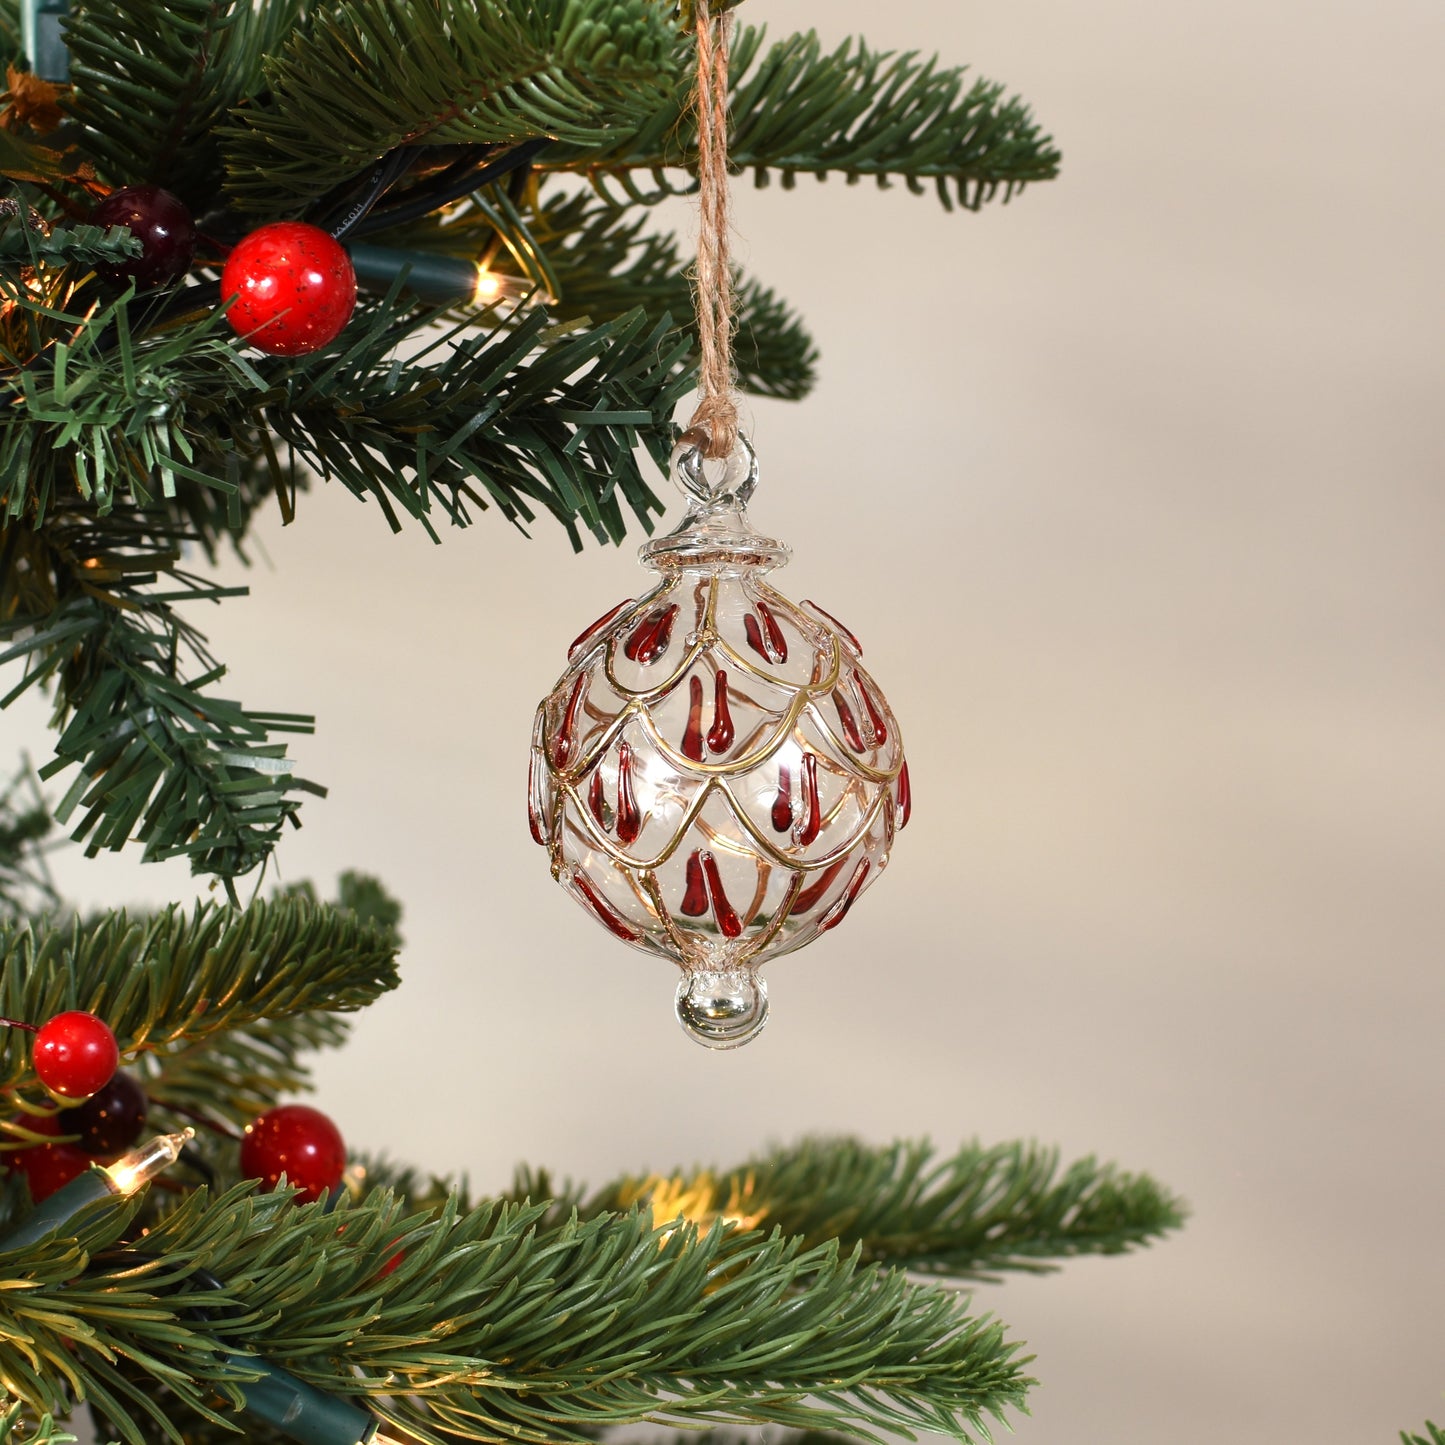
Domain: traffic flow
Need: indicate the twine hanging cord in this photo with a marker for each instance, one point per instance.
(716, 417)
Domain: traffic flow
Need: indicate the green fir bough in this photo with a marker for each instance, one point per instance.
(806, 1290)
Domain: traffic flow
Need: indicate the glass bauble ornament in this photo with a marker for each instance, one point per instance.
(715, 776)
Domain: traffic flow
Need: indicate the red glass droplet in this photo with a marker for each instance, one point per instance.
(777, 643)
(660, 639)
(562, 743)
(850, 723)
(880, 728)
(905, 797)
(595, 800)
(754, 634)
(604, 910)
(650, 637)
(629, 820)
(727, 920)
(639, 635)
(534, 807)
(694, 900)
(846, 632)
(839, 911)
(783, 803)
(809, 897)
(720, 734)
(692, 738)
(585, 637)
(813, 814)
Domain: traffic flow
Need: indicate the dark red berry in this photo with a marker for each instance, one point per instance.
(161, 224)
(48, 1167)
(293, 286)
(75, 1054)
(111, 1119)
(299, 1142)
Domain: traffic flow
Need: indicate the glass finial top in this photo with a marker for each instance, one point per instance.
(716, 530)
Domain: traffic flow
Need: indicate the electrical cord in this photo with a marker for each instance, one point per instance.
(433, 196)
(305, 1413)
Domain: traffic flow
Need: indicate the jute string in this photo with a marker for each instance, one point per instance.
(717, 412)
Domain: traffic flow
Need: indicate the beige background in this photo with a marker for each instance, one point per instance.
(1133, 490)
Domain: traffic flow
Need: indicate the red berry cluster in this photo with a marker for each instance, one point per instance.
(291, 286)
(103, 1112)
(75, 1057)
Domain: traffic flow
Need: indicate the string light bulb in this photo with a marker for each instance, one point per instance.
(438, 280)
(133, 1171)
(129, 1174)
(492, 286)
(699, 1201)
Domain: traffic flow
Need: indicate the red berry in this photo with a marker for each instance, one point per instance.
(48, 1123)
(48, 1167)
(299, 1142)
(162, 225)
(75, 1054)
(111, 1119)
(293, 286)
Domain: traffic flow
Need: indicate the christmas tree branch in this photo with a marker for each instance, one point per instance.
(19, 1427)
(493, 1325)
(161, 758)
(179, 979)
(113, 400)
(33, 245)
(981, 1210)
(366, 76)
(605, 262)
(857, 111)
(153, 78)
(25, 823)
(967, 1216)
(121, 403)
(1436, 1436)
(529, 415)
(232, 1077)
(599, 261)
(525, 413)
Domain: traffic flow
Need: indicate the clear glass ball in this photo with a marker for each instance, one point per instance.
(716, 776)
(722, 1010)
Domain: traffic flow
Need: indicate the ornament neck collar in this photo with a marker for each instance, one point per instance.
(716, 533)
